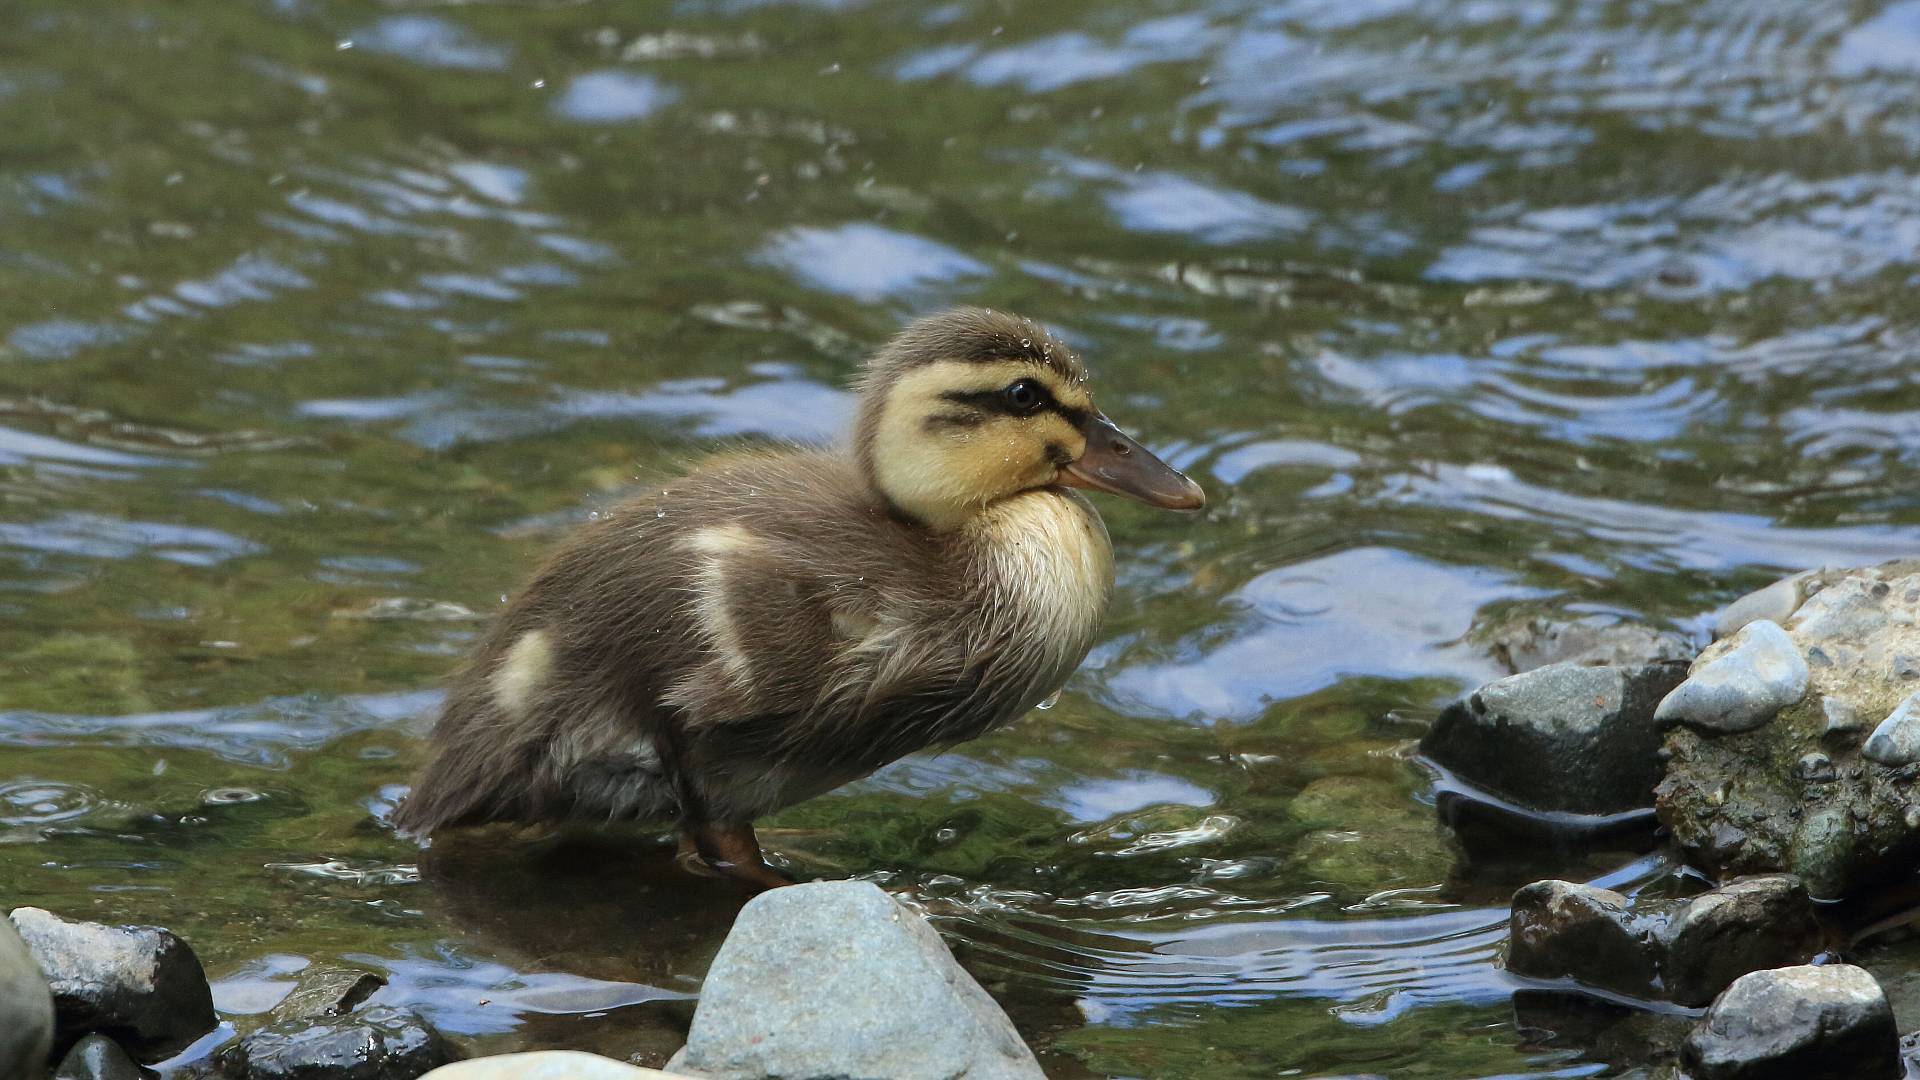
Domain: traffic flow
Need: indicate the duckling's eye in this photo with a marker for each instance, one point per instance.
(1025, 396)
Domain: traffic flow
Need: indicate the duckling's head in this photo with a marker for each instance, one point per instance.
(966, 408)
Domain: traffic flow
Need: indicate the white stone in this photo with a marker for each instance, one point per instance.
(1760, 673)
(1775, 603)
(1897, 740)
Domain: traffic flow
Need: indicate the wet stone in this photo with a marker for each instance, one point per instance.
(1745, 925)
(376, 1043)
(838, 979)
(97, 1057)
(1744, 687)
(26, 1007)
(141, 985)
(1896, 741)
(1563, 929)
(1814, 767)
(1569, 737)
(1797, 1023)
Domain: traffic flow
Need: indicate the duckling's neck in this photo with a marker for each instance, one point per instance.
(1047, 558)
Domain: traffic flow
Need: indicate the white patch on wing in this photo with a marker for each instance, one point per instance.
(853, 625)
(715, 545)
(522, 672)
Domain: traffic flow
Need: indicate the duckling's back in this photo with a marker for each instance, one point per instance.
(750, 635)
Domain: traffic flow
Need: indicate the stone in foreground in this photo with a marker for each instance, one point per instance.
(545, 1065)
(377, 1043)
(837, 979)
(26, 1008)
(1742, 687)
(97, 1057)
(1568, 737)
(140, 985)
(1797, 1023)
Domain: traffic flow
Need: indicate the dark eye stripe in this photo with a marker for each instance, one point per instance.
(996, 401)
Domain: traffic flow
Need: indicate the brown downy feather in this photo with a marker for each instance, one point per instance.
(765, 629)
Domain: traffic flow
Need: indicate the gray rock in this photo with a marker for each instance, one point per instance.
(1797, 1023)
(97, 1057)
(1566, 930)
(837, 979)
(545, 1065)
(140, 985)
(26, 1008)
(1574, 738)
(377, 1043)
(1897, 740)
(1776, 603)
(1744, 687)
(1745, 925)
(1758, 801)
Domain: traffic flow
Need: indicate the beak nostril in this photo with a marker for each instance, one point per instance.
(1121, 448)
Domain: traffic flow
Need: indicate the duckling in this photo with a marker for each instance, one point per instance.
(776, 624)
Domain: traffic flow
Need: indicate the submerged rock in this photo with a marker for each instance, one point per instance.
(26, 1008)
(545, 1065)
(141, 985)
(376, 1043)
(1522, 639)
(1797, 1023)
(1738, 688)
(1684, 951)
(97, 1057)
(321, 992)
(837, 979)
(1801, 794)
(1573, 738)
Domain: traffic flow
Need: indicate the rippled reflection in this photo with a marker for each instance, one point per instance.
(318, 321)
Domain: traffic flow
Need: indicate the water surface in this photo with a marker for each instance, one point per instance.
(319, 319)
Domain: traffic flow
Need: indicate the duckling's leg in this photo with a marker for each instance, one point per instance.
(732, 851)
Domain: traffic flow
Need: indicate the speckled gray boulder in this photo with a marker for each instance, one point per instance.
(1896, 741)
(1742, 684)
(837, 979)
(141, 985)
(1567, 737)
(26, 1009)
(1797, 1023)
(1799, 794)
